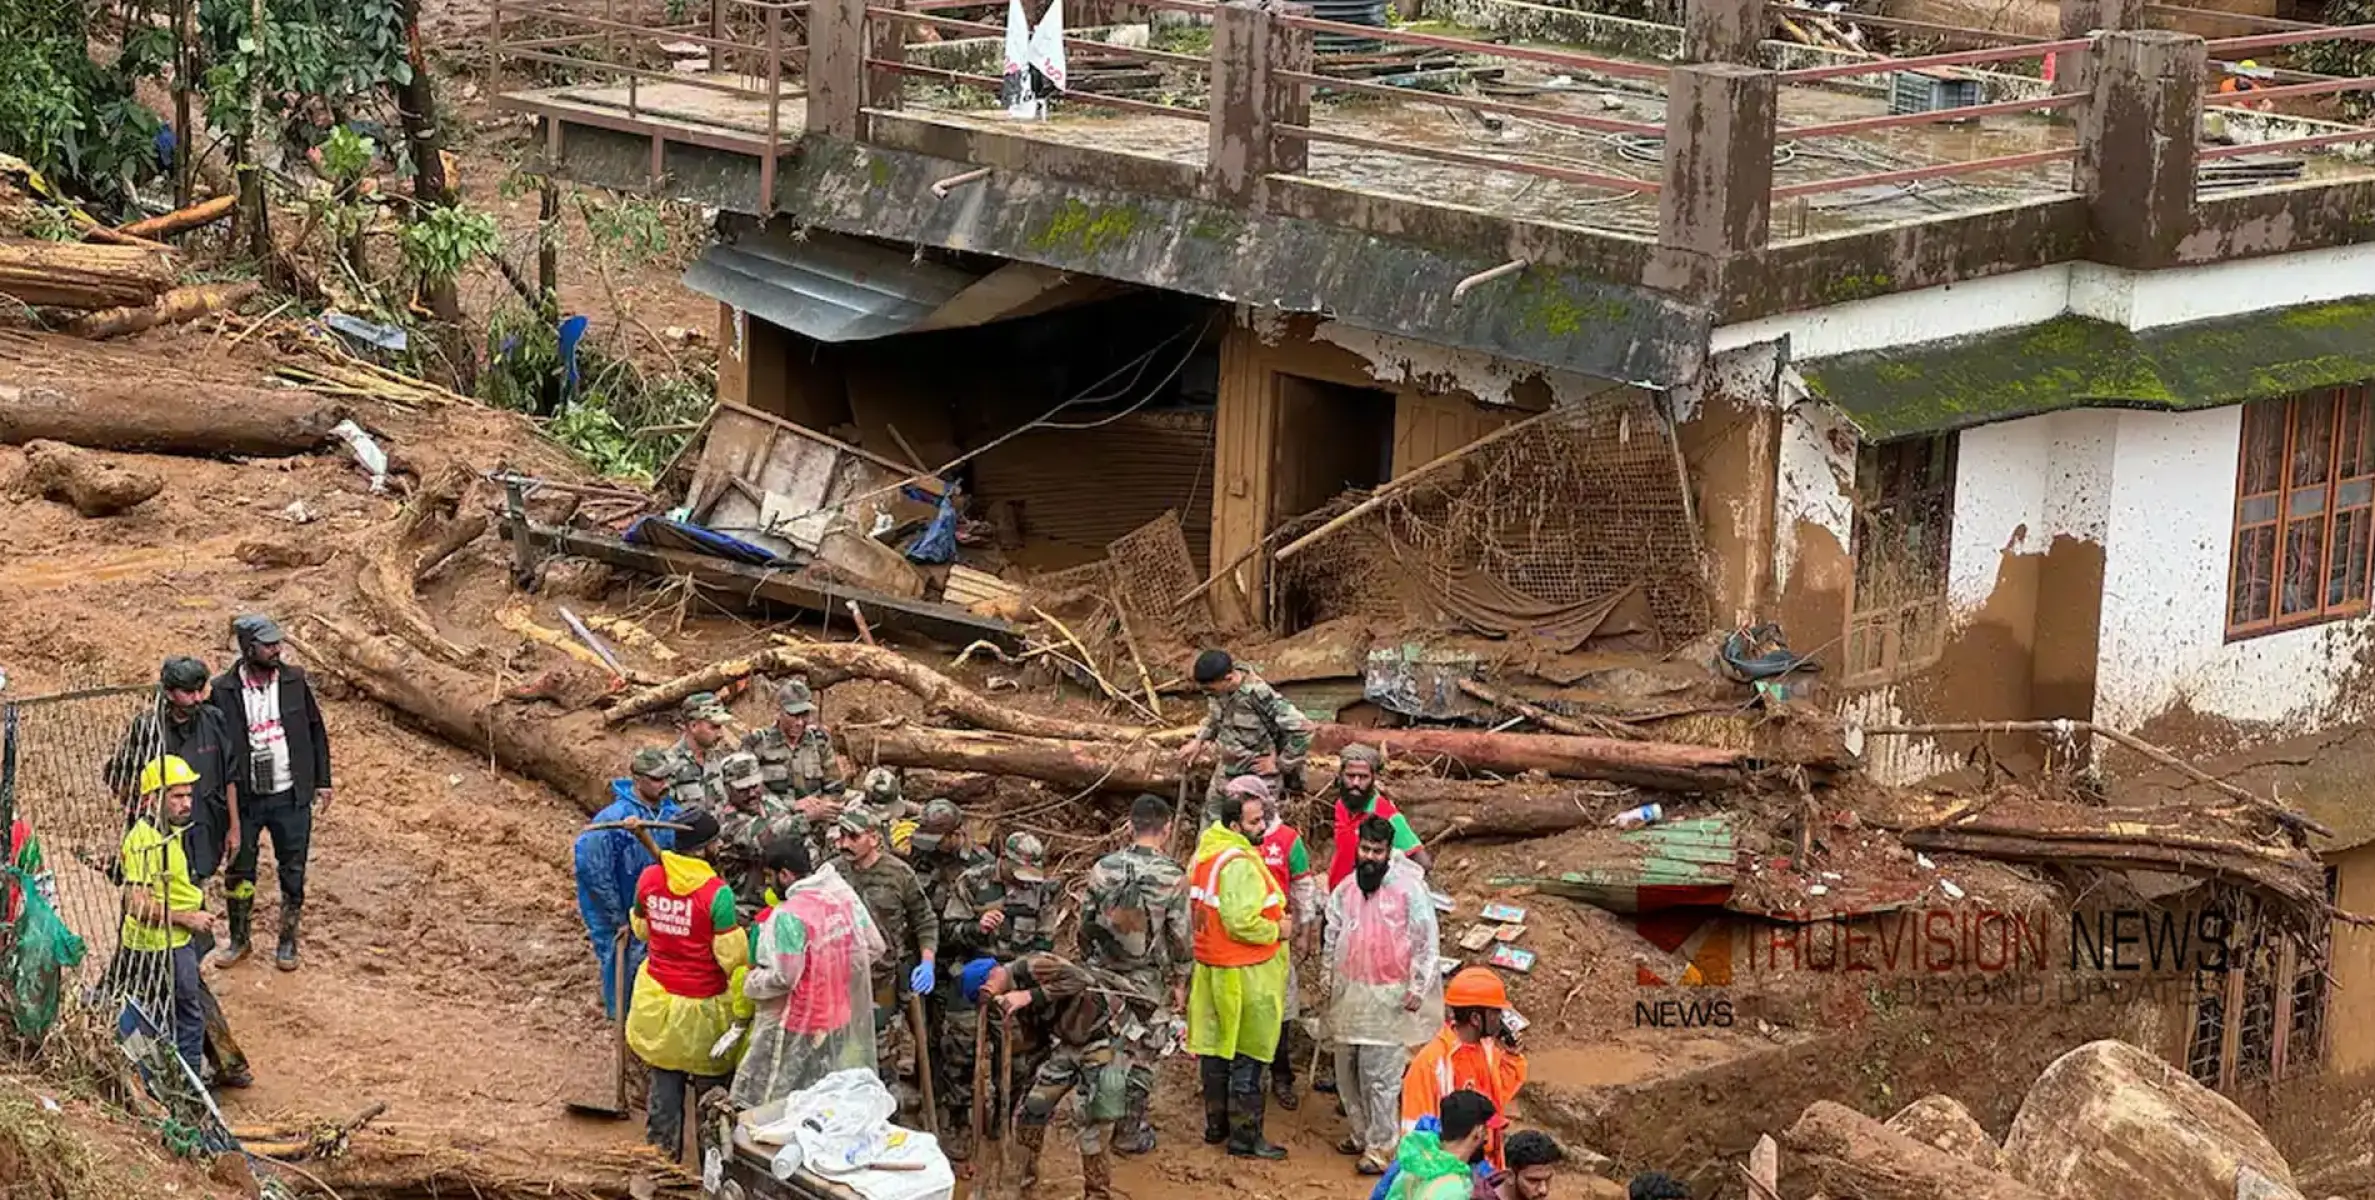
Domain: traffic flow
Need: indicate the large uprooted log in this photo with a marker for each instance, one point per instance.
(128, 414)
(1667, 766)
(73, 275)
(1435, 806)
(391, 560)
(1854, 1155)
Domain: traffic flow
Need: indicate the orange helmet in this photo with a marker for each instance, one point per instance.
(1475, 987)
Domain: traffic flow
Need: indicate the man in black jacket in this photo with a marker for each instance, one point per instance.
(288, 778)
(200, 734)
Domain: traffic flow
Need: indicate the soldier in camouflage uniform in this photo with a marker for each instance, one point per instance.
(881, 792)
(750, 818)
(895, 899)
(1134, 923)
(1254, 728)
(1071, 1012)
(795, 752)
(943, 854)
(700, 751)
(1012, 896)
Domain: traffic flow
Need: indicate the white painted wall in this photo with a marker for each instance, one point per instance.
(2169, 522)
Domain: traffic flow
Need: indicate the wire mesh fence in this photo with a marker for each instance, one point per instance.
(77, 973)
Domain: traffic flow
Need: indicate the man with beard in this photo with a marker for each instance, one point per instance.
(1359, 797)
(1237, 992)
(287, 781)
(1384, 993)
(197, 733)
(164, 913)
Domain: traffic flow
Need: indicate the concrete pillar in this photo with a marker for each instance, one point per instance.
(1249, 100)
(835, 81)
(1716, 201)
(2137, 144)
(1722, 30)
(2073, 69)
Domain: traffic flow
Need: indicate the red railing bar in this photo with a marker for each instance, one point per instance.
(548, 43)
(1933, 171)
(2294, 37)
(2174, 10)
(1552, 116)
(1978, 35)
(1900, 120)
(2311, 142)
(1487, 162)
(699, 82)
(1556, 58)
(1957, 58)
(993, 83)
(2319, 88)
(1070, 43)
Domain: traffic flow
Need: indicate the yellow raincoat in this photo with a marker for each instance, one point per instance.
(675, 1030)
(1236, 1011)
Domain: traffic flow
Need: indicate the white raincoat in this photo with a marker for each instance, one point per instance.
(811, 961)
(1378, 951)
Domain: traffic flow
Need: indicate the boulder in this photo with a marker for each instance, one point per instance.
(1943, 1122)
(2108, 1121)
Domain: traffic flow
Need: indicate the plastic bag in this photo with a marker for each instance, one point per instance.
(40, 952)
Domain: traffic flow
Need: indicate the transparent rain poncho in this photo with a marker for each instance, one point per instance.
(1379, 950)
(810, 976)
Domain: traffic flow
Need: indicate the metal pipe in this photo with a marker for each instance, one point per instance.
(1933, 171)
(1479, 279)
(1899, 120)
(774, 113)
(1557, 58)
(941, 188)
(2311, 142)
(2294, 37)
(2319, 88)
(1551, 116)
(1997, 37)
(1957, 58)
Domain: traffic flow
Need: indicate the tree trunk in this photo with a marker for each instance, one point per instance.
(828, 663)
(1854, 1155)
(74, 275)
(253, 200)
(416, 108)
(127, 414)
(1668, 766)
(173, 308)
(182, 220)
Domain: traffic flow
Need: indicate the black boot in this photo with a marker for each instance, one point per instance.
(1245, 1129)
(1134, 1135)
(242, 914)
(286, 956)
(1215, 1077)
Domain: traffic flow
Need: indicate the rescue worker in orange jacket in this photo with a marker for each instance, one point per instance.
(1237, 994)
(1474, 1051)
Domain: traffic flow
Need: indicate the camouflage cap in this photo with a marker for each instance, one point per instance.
(1026, 858)
(881, 781)
(941, 818)
(857, 820)
(794, 698)
(652, 762)
(703, 706)
(741, 769)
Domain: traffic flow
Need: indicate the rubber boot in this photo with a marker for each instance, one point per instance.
(1216, 1099)
(241, 911)
(1134, 1135)
(286, 956)
(1028, 1139)
(1096, 1177)
(1245, 1130)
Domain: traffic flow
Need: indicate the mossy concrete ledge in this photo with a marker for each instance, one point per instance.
(1546, 316)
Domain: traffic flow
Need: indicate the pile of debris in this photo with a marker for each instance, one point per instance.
(2106, 1121)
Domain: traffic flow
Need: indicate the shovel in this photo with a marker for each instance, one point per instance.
(615, 1105)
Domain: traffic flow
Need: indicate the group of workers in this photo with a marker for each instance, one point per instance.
(778, 926)
(222, 761)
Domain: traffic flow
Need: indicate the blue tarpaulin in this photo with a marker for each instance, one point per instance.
(664, 534)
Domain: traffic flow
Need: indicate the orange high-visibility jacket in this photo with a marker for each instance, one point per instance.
(1445, 1065)
(1214, 947)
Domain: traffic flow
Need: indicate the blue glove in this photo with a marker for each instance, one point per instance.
(920, 982)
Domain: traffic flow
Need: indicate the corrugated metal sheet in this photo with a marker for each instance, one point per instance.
(1086, 487)
(830, 287)
(1681, 864)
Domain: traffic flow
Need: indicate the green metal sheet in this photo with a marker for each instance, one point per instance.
(1684, 863)
(2078, 362)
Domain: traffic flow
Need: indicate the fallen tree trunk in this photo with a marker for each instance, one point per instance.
(74, 275)
(1668, 766)
(384, 580)
(829, 663)
(1854, 1155)
(562, 750)
(93, 485)
(127, 415)
(182, 220)
(1436, 807)
(457, 534)
(1588, 726)
(173, 308)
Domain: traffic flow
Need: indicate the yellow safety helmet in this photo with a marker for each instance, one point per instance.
(902, 835)
(162, 773)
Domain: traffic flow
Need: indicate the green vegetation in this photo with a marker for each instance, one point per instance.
(1077, 226)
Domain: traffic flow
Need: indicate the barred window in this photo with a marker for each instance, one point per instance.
(1904, 515)
(2304, 512)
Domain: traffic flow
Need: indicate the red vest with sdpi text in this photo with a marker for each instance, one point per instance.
(680, 957)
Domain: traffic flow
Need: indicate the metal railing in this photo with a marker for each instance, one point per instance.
(1075, 49)
(611, 47)
(2297, 85)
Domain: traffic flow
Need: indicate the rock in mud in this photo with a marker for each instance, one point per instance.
(2108, 1121)
(278, 552)
(95, 486)
(1943, 1122)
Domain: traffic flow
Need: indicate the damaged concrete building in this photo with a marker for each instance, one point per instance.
(2031, 367)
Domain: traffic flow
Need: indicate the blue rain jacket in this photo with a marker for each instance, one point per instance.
(609, 861)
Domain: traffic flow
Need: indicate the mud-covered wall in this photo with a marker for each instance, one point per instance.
(1729, 433)
(2350, 1015)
